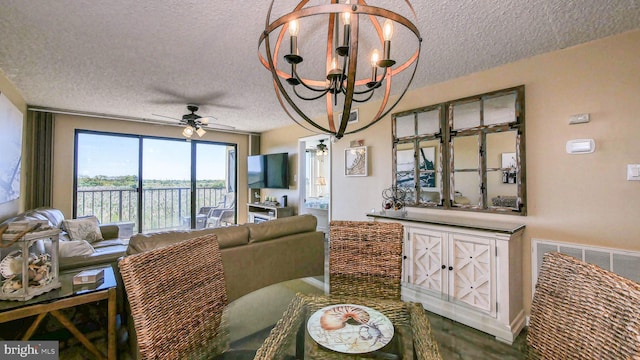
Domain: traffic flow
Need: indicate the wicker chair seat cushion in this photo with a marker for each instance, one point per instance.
(581, 311)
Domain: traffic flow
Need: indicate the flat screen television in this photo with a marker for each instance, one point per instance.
(269, 171)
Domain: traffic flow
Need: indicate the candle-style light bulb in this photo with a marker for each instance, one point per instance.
(293, 28)
(343, 50)
(375, 56)
(346, 18)
(293, 58)
(334, 64)
(387, 33)
(387, 30)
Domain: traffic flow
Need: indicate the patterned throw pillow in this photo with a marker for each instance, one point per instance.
(83, 229)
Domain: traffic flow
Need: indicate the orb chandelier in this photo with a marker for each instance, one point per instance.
(353, 30)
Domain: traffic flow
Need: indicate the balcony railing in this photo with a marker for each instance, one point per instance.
(162, 208)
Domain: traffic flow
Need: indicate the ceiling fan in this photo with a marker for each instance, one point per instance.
(195, 123)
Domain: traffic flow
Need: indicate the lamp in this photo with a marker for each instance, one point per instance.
(320, 182)
(338, 83)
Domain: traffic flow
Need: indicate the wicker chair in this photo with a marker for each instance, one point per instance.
(365, 259)
(177, 295)
(580, 311)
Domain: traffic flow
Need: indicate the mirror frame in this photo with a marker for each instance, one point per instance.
(445, 153)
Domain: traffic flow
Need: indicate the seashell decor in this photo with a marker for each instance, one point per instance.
(337, 316)
(29, 268)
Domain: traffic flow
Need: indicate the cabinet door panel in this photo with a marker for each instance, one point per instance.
(472, 278)
(428, 251)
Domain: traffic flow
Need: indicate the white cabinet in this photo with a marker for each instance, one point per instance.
(468, 272)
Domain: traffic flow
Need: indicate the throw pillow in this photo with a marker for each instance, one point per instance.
(83, 229)
(75, 248)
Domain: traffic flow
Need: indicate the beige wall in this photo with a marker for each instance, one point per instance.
(65, 126)
(573, 198)
(7, 88)
(285, 140)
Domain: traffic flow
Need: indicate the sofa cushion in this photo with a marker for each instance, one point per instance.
(232, 236)
(53, 216)
(109, 242)
(83, 229)
(75, 248)
(281, 227)
(144, 242)
(227, 237)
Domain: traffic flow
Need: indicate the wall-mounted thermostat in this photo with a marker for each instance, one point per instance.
(581, 146)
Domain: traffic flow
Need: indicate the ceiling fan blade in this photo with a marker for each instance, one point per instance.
(220, 126)
(168, 117)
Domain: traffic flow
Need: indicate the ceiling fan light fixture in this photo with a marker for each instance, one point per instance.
(200, 131)
(188, 131)
(321, 148)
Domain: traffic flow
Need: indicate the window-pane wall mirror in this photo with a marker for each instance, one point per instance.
(465, 154)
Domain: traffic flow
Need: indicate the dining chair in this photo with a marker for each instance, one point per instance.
(365, 258)
(581, 311)
(177, 295)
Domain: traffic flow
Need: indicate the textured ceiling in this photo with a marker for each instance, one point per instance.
(138, 58)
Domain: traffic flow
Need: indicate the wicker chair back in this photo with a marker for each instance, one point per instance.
(365, 259)
(581, 311)
(177, 296)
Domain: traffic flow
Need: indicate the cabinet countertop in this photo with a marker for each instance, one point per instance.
(477, 224)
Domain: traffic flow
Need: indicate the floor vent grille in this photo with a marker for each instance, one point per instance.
(622, 262)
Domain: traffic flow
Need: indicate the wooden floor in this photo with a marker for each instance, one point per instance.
(457, 341)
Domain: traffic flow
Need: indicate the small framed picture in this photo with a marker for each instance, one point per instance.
(353, 117)
(355, 161)
(509, 168)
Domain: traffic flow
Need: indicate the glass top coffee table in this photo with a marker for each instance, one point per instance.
(68, 295)
(339, 327)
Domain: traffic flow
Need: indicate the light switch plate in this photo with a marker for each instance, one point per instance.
(579, 119)
(633, 172)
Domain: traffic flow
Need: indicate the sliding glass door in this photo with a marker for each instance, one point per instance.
(107, 178)
(155, 183)
(166, 184)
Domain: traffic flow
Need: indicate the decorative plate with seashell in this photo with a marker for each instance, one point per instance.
(349, 328)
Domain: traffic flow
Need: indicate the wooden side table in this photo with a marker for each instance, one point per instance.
(69, 296)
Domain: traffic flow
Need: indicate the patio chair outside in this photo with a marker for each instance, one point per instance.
(224, 213)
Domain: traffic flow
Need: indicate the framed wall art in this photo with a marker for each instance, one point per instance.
(509, 168)
(11, 150)
(355, 161)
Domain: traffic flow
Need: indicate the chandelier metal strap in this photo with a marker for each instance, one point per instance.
(341, 85)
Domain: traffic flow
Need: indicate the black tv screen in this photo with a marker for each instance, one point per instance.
(270, 171)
